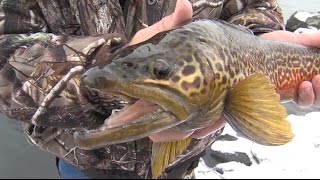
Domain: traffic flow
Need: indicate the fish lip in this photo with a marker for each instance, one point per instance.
(89, 139)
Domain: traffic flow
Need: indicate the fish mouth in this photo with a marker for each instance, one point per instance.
(141, 116)
(138, 119)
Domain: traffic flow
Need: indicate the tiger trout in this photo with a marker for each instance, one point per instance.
(197, 73)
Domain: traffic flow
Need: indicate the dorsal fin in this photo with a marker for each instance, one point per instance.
(129, 49)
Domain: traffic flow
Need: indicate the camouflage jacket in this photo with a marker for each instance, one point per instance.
(42, 40)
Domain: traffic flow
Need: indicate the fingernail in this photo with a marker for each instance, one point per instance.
(306, 91)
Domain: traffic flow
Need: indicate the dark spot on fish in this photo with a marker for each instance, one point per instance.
(303, 72)
(188, 70)
(288, 73)
(234, 53)
(224, 79)
(315, 71)
(187, 58)
(175, 79)
(185, 85)
(237, 70)
(195, 84)
(221, 54)
(236, 80)
(232, 81)
(280, 71)
(309, 68)
(203, 91)
(180, 63)
(217, 76)
(219, 66)
(231, 73)
(227, 54)
(205, 83)
(193, 94)
(289, 64)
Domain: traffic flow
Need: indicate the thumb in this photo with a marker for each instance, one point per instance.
(182, 13)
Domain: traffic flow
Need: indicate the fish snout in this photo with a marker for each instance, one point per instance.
(98, 78)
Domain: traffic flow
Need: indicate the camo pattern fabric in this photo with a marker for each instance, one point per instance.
(41, 41)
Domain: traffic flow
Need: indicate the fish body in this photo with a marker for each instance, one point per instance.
(200, 72)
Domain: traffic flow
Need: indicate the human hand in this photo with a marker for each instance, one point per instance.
(183, 12)
(308, 92)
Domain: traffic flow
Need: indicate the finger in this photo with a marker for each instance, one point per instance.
(316, 89)
(169, 135)
(201, 133)
(183, 12)
(309, 39)
(306, 39)
(305, 94)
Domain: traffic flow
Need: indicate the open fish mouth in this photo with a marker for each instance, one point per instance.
(131, 112)
(138, 119)
(149, 110)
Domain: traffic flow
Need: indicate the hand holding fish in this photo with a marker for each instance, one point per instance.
(309, 92)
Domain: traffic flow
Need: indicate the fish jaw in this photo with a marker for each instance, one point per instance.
(169, 110)
(150, 123)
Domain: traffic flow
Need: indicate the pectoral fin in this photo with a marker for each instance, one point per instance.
(164, 153)
(254, 110)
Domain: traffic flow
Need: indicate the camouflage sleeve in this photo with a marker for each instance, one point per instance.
(260, 16)
(20, 16)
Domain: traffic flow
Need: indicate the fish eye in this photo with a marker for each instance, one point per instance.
(160, 69)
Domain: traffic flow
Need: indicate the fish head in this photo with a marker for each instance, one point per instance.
(170, 73)
(167, 71)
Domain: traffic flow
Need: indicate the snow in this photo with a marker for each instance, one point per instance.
(303, 16)
(298, 159)
(306, 30)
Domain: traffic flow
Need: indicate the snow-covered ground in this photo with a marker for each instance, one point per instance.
(236, 157)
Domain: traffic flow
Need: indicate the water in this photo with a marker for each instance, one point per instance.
(18, 159)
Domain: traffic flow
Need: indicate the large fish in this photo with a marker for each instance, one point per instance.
(196, 74)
